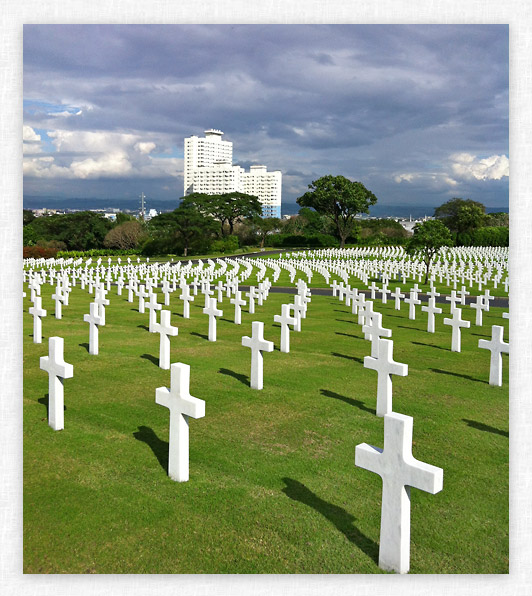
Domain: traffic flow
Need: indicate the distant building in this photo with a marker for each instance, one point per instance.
(209, 169)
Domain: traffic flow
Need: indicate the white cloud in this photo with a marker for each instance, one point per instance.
(31, 141)
(90, 155)
(407, 177)
(145, 147)
(28, 134)
(467, 166)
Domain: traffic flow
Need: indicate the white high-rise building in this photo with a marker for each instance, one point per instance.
(209, 169)
(266, 186)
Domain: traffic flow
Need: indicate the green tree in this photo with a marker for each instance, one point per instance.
(192, 225)
(468, 218)
(497, 220)
(79, 231)
(457, 214)
(264, 226)
(208, 205)
(183, 229)
(339, 200)
(239, 205)
(428, 238)
(27, 216)
(226, 208)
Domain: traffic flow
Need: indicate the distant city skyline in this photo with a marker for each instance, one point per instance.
(417, 113)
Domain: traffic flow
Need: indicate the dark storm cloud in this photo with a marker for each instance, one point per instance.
(368, 102)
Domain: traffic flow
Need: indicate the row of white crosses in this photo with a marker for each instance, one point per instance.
(395, 463)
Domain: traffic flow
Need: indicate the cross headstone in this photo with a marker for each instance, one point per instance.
(412, 300)
(142, 295)
(182, 406)
(399, 471)
(487, 299)
(385, 366)
(258, 344)
(431, 309)
(186, 297)
(37, 311)
(456, 323)
(153, 306)
(496, 346)
(238, 301)
(57, 297)
(285, 319)
(102, 302)
(94, 319)
(374, 330)
(166, 330)
(453, 299)
(56, 367)
(131, 287)
(213, 312)
(479, 307)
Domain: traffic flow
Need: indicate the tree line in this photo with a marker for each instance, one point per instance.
(328, 216)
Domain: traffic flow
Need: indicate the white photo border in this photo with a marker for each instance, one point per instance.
(515, 13)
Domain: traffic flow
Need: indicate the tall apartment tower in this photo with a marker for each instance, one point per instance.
(208, 169)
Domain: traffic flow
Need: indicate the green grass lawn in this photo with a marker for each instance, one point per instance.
(273, 487)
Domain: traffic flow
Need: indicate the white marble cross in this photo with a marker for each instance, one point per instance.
(101, 301)
(252, 294)
(186, 297)
(37, 311)
(412, 300)
(365, 313)
(453, 299)
(56, 367)
(153, 306)
(487, 299)
(399, 471)
(462, 294)
(238, 301)
(431, 309)
(433, 293)
(166, 290)
(496, 346)
(131, 287)
(373, 330)
(373, 288)
(182, 406)
(58, 298)
(119, 285)
(456, 323)
(284, 319)
(258, 344)
(166, 330)
(479, 306)
(94, 319)
(142, 295)
(384, 293)
(300, 310)
(213, 312)
(385, 366)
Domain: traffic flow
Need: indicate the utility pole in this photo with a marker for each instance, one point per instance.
(142, 212)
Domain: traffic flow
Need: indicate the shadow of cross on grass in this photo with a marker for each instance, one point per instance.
(231, 373)
(45, 401)
(336, 515)
(348, 400)
(158, 446)
(486, 427)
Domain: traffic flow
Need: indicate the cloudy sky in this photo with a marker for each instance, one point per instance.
(418, 114)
